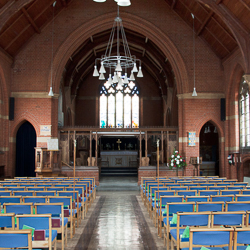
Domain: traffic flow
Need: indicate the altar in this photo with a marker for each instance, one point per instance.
(121, 158)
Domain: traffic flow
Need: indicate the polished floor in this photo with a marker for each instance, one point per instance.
(117, 220)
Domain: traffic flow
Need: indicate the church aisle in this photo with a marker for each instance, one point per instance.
(117, 222)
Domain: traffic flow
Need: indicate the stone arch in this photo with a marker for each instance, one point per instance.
(24, 118)
(132, 22)
(210, 147)
(214, 121)
(234, 82)
(25, 155)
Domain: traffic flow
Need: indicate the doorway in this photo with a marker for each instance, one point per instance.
(25, 150)
(209, 150)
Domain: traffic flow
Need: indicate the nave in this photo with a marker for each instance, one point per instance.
(117, 219)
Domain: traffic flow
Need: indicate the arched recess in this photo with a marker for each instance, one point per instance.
(246, 169)
(25, 150)
(233, 110)
(104, 22)
(209, 149)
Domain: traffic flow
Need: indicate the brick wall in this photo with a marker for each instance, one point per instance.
(30, 72)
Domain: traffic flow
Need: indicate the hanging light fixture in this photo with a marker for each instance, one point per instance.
(123, 2)
(208, 129)
(51, 90)
(119, 63)
(215, 130)
(194, 91)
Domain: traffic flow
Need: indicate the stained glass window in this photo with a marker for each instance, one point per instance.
(119, 105)
(127, 111)
(103, 111)
(119, 110)
(111, 111)
(244, 115)
(135, 114)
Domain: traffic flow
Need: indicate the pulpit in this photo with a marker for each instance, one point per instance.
(47, 162)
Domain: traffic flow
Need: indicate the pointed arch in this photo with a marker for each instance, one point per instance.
(132, 22)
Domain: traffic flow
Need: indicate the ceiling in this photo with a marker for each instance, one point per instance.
(32, 18)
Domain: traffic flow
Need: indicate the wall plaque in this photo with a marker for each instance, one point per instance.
(45, 129)
(191, 138)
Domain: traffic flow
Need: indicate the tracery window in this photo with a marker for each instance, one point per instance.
(119, 105)
(244, 114)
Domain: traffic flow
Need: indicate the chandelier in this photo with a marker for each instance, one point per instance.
(116, 62)
(119, 2)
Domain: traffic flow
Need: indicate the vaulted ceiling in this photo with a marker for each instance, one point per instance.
(30, 20)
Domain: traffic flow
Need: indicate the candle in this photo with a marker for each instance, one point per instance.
(198, 160)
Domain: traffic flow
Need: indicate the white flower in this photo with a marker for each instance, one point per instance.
(176, 152)
(178, 156)
(172, 164)
(177, 162)
(180, 159)
(172, 156)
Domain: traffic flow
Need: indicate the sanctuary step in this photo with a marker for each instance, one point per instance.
(118, 183)
(129, 171)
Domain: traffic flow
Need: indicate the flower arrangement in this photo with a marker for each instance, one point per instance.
(176, 160)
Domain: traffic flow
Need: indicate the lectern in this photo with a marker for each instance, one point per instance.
(47, 162)
(196, 161)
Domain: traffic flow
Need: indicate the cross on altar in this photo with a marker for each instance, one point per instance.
(119, 143)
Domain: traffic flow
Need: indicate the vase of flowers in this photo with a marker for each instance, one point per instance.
(177, 161)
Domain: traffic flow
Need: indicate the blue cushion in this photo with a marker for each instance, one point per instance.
(169, 220)
(173, 233)
(238, 248)
(74, 211)
(54, 234)
(79, 204)
(198, 248)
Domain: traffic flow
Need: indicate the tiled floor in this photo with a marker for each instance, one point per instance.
(116, 220)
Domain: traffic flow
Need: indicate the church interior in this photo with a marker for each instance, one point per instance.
(105, 97)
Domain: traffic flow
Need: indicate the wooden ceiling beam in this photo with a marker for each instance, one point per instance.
(245, 4)
(9, 9)
(173, 4)
(31, 20)
(64, 3)
(229, 35)
(218, 2)
(205, 23)
(226, 15)
(40, 13)
(19, 34)
(218, 40)
(18, 19)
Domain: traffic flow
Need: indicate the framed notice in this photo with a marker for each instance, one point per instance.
(45, 130)
(191, 138)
